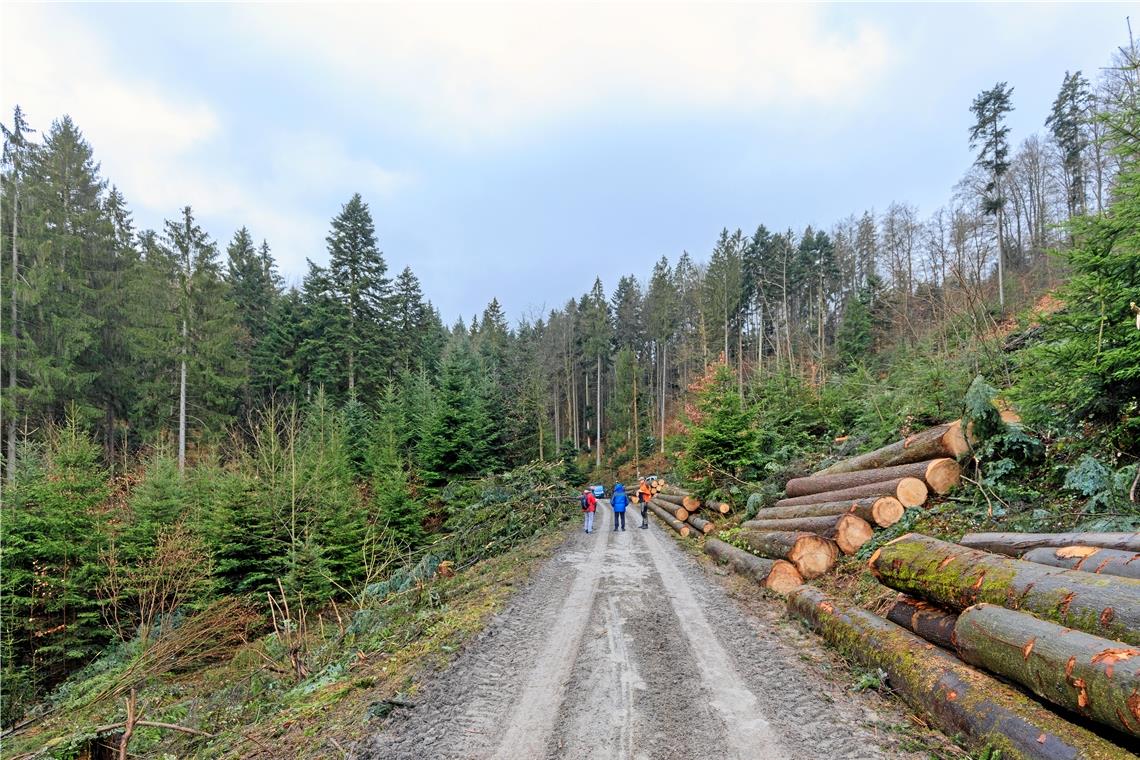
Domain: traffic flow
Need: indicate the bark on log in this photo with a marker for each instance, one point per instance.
(1090, 559)
(671, 498)
(939, 474)
(681, 528)
(941, 441)
(957, 698)
(883, 511)
(934, 624)
(811, 554)
(848, 531)
(775, 574)
(1093, 677)
(678, 512)
(719, 507)
(701, 525)
(911, 492)
(1016, 544)
(956, 577)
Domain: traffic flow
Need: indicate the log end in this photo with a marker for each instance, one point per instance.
(783, 577)
(911, 492)
(851, 532)
(887, 511)
(942, 475)
(813, 555)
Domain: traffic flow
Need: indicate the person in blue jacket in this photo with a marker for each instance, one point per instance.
(619, 501)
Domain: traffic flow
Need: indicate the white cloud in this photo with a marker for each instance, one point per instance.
(470, 70)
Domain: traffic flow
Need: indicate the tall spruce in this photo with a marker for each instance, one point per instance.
(1068, 122)
(990, 137)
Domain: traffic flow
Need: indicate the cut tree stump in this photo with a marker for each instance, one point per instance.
(939, 474)
(678, 512)
(701, 524)
(911, 492)
(681, 528)
(934, 624)
(883, 511)
(1016, 544)
(957, 698)
(942, 441)
(811, 554)
(775, 574)
(1090, 559)
(956, 577)
(848, 531)
(1091, 676)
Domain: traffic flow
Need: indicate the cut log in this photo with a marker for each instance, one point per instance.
(691, 503)
(1092, 676)
(701, 524)
(775, 574)
(672, 489)
(848, 531)
(957, 698)
(1016, 544)
(1090, 559)
(934, 624)
(941, 441)
(671, 498)
(681, 528)
(811, 554)
(956, 577)
(678, 512)
(883, 511)
(719, 507)
(939, 474)
(911, 492)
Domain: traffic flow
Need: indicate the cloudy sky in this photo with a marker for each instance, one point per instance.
(519, 150)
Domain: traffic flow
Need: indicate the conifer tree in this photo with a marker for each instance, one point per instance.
(254, 288)
(458, 440)
(990, 137)
(1068, 122)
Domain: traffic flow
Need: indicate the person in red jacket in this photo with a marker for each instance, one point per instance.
(589, 506)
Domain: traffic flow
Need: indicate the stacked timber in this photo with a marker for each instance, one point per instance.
(848, 531)
(677, 511)
(670, 518)
(811, 554)
(775, 574)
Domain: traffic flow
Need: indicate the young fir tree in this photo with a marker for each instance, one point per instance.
(722, 444)
(458, 439)
(397, 511)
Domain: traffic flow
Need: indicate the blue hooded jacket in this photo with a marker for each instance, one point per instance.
(620, 500)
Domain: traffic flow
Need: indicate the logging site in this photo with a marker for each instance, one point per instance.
(569, 381)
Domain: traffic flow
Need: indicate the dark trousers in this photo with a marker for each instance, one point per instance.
(619, 519)
(644, 512)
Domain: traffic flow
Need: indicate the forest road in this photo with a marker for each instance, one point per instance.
(621, 646)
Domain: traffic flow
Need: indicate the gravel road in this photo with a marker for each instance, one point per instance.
(622, 646)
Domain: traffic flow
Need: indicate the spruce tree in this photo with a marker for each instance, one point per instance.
(1069, 123)
(990, 137)
(254, 289)
(458, 438)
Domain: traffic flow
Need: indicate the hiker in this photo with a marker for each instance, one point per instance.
(589, 506)
(619, 502)
(643, 497)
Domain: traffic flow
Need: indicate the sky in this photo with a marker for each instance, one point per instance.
(518, 151)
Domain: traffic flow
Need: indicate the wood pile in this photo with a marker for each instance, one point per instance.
(678, 509)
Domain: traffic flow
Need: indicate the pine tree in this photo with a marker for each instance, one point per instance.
(990, 137)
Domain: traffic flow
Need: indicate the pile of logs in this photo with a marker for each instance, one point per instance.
(677, 508)
(838, 508)
(1055, 617)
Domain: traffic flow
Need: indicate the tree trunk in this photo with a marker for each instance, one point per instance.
(934, 624)
(636, 442)
(956, 577)
(689, 502)
(775, 574)
(182, 403)
(701, 524)
(678, 513)
(811, 554)
(883, 511)
(848, 531)
(942, 441)
(911, 492)
(715, 506)
(670, 520)
(957, 698)
(1090, 559)
(664, 375)
(598, 410)
(939, 474)
(1091, 676)
(10, 459)
(1016, 544)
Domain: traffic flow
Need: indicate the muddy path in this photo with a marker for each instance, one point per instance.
(623, 646)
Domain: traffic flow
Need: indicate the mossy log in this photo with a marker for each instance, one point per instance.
(1090, 675)
(939, 474)
(1090, 559)
(1016, 544)
(777, 574)
(957, 698)
(811, 554)
(701, 524)
(883, 511)
(956, 577)
(720, 507)
(942, 441)
(932, 623)
(911, 492)
(678, 512)
(681, 528)
(848, 531)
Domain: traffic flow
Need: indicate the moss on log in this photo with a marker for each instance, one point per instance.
(932, 623)
(883, 511)
(911, 492)
(848, 531)
(1090, 559)
(1016, 544)
(942, 441)
(956, 577)
(939, 474)
(776, 574)
(811, 554)
(960, 700)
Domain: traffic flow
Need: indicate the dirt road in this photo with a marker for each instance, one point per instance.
(621, 646)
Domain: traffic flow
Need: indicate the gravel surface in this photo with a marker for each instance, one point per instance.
(623, 646)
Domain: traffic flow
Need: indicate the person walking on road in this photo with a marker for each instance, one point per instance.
(619, 501)
(589, 506)
(643, 497)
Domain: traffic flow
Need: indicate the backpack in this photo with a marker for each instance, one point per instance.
(584, 501)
